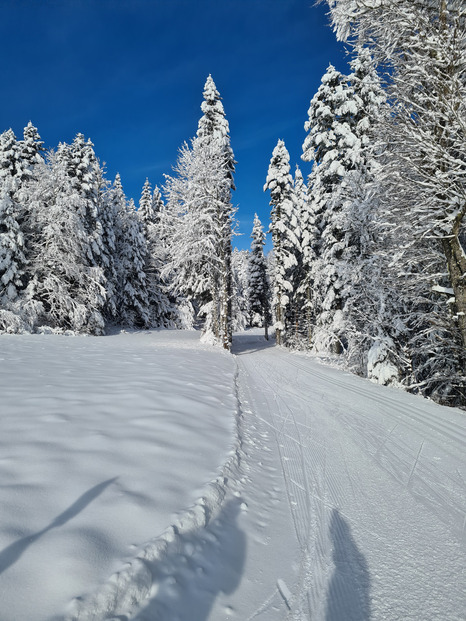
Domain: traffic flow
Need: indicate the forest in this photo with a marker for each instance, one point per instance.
(368, 263)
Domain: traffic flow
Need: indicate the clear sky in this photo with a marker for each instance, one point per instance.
(129, 75)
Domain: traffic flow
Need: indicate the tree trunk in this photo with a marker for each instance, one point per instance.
(278, 316)
(456, 261)
(266, 325)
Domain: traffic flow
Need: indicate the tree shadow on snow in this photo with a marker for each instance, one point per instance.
(211, 562)
(348, 597)
(249, 342)
(14, 551)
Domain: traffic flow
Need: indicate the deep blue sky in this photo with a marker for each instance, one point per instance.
(129, 75)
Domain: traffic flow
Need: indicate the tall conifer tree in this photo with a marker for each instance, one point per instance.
(259, 286)
(285, 242)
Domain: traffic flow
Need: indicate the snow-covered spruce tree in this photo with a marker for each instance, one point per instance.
(12, 259)
(158, 205)
(424, 44)
(131, 251)
(65, 292)
(194, 198)
(107, 258)
(240, 290)
(145, 203)
(213, 126)
(19, 161)
(30, 151)
(309, 220)
(214, 132)
(87, 179)
(31, 156)
(336, 150)
(85, 172)
(302, 283)
(284, 237)
(259, 285)
(162, 310)
(12, 251)
(201, 213)
(371, 307)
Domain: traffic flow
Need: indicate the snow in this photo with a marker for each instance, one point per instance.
(102, 442)
(148, 476)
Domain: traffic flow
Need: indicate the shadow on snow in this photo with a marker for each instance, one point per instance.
(210, 562)
(250, 341)
(14, 551)
(348, 597)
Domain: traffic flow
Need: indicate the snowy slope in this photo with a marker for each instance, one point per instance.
(102, 442)
(332, 499)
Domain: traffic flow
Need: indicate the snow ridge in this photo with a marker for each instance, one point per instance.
(126, 590)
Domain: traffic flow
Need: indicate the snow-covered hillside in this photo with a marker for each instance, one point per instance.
(145, 476)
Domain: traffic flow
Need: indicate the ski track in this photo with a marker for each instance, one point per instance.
(324, 490)
(355, 492)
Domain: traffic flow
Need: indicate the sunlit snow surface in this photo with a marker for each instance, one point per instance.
(148, 477)
(102, 441)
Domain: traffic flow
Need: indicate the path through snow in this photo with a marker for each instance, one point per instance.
(374, 480)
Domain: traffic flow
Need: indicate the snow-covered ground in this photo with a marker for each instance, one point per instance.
(102, 442)
(148, 477)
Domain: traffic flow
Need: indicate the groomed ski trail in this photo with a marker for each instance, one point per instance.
(374, 480)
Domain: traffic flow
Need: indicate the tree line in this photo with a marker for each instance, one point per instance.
(370, 260)
(77, 255)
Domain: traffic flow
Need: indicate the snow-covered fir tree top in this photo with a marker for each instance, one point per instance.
(145, 203)
(31, 147)
(213, 122)
(157, 201)
(332, 141)
(9, 156)
(257, 235)
(213, 125)
(278, 175)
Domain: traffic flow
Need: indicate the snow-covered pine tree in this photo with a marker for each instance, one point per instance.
(65, 292)
(334, 146)
(423, 43)
(10, 160)
(284, 237)
(201, 214)
(158, 205)
(214, 132)
(213, 126)
(259, 285)
(30, 153)
(301, 285)
(12, 255)
(30, 150)
(86, 176)
(108, 220)
(240, 289)
(145, 211)
(163, 312)
(195, 197)
(372, 308)
(133, 290)
(12, 259)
